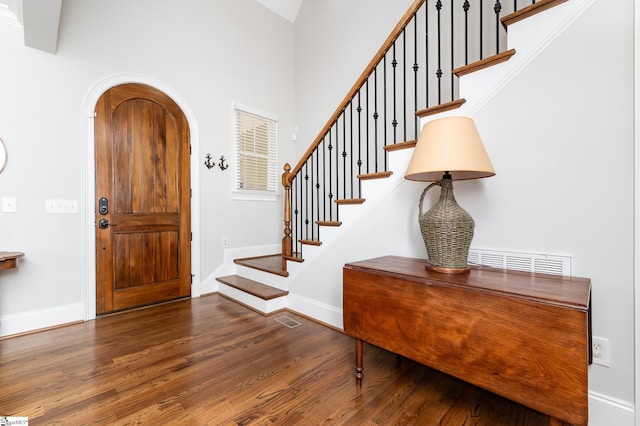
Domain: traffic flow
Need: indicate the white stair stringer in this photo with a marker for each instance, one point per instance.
(529, 37)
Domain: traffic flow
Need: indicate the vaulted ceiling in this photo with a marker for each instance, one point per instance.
(40, 19)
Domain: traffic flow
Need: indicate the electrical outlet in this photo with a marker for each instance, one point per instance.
(600, 349)
(225, 242)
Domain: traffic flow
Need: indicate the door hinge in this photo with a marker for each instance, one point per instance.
(190, 236)
(192, 278)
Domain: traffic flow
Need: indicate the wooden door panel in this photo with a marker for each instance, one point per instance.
(145, 258)
(142, 167)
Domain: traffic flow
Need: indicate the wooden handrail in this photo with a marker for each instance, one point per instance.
(406, 18)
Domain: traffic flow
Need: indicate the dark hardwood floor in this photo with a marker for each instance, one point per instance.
(211, 361)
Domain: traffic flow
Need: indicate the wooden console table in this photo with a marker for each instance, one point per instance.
(523, 336)
(9, 259)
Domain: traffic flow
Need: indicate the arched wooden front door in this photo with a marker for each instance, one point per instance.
(142, 209)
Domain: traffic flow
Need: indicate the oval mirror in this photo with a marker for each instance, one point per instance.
(3, 155)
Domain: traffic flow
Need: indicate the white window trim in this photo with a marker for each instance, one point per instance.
(245, 194)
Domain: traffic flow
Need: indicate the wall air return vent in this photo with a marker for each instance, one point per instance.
(527, 262)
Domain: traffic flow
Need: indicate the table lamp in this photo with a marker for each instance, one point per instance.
(448, 149)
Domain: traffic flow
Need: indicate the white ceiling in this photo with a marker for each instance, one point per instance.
(288, 9)
(40, 19)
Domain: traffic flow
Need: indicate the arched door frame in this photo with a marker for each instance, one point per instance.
(89, 260)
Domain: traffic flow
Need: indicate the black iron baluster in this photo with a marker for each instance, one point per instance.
(297, 227)
(324, 180)
(384, 103)
(426, 56)
(439, 70)
(452, 50)
(337, 159)
(394, 123)
(497, 8)
(359, 110)
(330, 148)
(306, 200)
(404, 87)
(465, 7)
(317, 151)
(366, 128)
(375, 108)
(481, 29)
(344, 156)
(416, 67)
(310, 195)
(351, 142)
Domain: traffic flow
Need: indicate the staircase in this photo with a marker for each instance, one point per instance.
(337, 205)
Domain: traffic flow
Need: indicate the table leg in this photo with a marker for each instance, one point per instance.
(553, 421)
(359, 368)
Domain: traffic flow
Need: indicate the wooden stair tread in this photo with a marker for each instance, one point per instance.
(400, 145)
(328, 223)
(377, 175)
(528, 11)
(447, 106)
(351, 201)
(311, 242)
(295, 257)
(271, 263)
(252, 287)
(485, 63)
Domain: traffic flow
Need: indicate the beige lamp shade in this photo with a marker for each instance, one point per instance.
(450, 144)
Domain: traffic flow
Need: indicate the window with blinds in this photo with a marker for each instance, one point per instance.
(256, 136)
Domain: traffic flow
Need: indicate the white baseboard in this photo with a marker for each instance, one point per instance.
(606, 411)
(44, 318)
(316, 310)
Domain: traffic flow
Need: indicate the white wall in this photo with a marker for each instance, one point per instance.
(334, 42)
(560, 136)
(209, 53)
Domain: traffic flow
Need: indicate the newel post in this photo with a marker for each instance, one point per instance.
(286, 240)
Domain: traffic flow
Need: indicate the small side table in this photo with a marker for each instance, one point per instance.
(9, 259)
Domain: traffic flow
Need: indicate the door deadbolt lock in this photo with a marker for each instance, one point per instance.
(103, 206)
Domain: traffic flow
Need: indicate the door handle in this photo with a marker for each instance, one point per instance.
(104, 224)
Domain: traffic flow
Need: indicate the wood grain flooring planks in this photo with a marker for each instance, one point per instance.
(210, 361)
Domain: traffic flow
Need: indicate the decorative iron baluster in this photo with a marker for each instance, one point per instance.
(337, 160)
(497, 8)
(324, 180)
(394, 123)
(305, 204)
(344, 156)
(481, 29)
(439, 70)
(297, 221)
(311, 198)
(416, 67)
(318, 185)
(366, 127)
(359, 110)
(465, 7)
(452, 50)
(404, 88)
(426, 57)
(330, 148)
(351, 139)
(384, 103)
